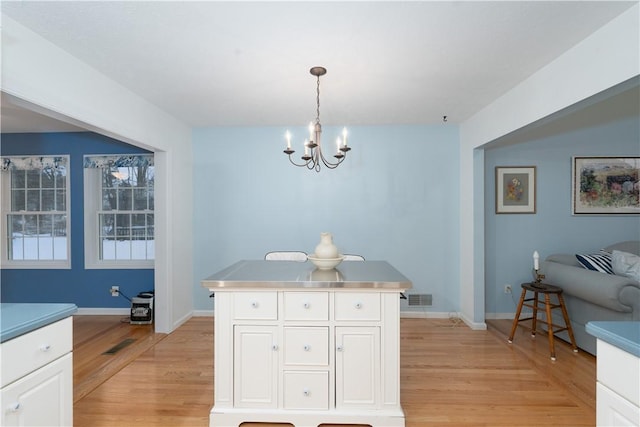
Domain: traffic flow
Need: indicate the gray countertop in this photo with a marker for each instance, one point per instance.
(624, 335)
(17, 319)
(300, 275)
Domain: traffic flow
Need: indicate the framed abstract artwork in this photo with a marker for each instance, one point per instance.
(605, 185)
(515, 189)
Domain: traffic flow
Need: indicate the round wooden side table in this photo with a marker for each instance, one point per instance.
(535, 303)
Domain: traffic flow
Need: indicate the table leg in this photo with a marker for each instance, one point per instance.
(567, 322)
(547, 302)
(534, 320)
(517, 318)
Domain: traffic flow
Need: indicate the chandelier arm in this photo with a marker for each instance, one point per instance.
(298, 164)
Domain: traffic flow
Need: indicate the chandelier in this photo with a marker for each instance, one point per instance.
(313, 157)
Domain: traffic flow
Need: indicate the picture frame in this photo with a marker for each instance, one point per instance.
(605, 185)
(515, 189)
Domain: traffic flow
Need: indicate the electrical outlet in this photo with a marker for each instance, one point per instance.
(507, 289)
(115, 291)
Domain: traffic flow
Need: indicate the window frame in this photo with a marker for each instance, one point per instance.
(5, 208)
(92, 209)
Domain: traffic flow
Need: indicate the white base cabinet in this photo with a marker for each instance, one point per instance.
(307, 357)
(37, 377)
(617, 387)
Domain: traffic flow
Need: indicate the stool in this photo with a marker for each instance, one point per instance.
(533, 303)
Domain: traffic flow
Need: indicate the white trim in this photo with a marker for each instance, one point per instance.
(99, 311)
(476, 326)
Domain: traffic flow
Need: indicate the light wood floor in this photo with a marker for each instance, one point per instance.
(450, 376)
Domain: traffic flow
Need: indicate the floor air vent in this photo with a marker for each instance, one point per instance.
(116, 348)
(420, 299)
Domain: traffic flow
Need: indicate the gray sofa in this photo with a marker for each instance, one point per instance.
(592, 295)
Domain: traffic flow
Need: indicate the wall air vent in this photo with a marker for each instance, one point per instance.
(420, 299)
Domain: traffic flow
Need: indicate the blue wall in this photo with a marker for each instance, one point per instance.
(395, 198)
(85, 288)
(511, 239)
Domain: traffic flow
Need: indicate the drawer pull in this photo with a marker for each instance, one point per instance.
(339, 348)
(307, 347)
(255, 304)
(14, 407)
(45, 347)
(306, 392)
(358, 305)
(306, 305)
(274, 347)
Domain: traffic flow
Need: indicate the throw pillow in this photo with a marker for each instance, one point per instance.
(597, 262)
(626, 264)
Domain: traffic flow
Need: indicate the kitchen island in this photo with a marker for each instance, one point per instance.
(36, 364)
(294, 344)
(618, 372)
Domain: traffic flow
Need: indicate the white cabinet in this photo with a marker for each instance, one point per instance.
(307, 357)
(357, 367)
(618, 387)
(37, 377)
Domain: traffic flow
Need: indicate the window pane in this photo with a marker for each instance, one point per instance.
(61, 177)
(33, 178)
(109, 199)
(30, 250)
(123, 226)
(107, 249)
(61, 200)
(45, 237)
(18, 179)
(123, 249)
(60, 225)
(48, 200)
(107, 225)
(150, 226)
(33, 200)
(140, 199)
(15, 237)
(30, 225)
(124, 199)
(49, 178)
(18, 200)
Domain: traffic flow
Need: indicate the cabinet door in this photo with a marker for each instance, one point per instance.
(357, 367)
(255, 366)
(42, 398)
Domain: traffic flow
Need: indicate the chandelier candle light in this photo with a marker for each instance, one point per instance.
(313, 157)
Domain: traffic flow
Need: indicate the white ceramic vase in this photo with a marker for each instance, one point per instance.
(326, 249)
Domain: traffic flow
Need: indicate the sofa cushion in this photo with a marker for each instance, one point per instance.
(597, 262)
(626, 264)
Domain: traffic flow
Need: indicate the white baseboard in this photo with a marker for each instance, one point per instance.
(98, 311)
(202, 313)
(405, 314)
(476, 326)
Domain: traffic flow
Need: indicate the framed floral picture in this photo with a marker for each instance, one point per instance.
(605, 185)
(515, 189)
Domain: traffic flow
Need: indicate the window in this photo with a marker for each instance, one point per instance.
(35, 212)
(119, 218)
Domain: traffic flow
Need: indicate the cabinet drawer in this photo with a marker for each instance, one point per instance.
(306, 390)
(357, 306)
(255, 305)
(306, 346)
(306, 306)
(28, 352)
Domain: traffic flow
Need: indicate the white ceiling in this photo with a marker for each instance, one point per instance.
(247, 63)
